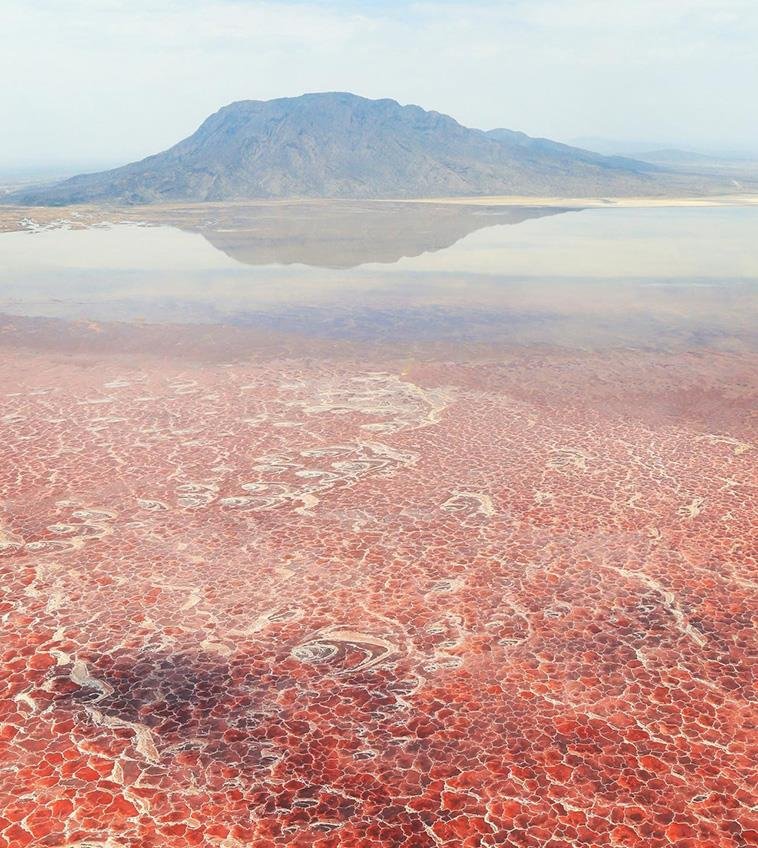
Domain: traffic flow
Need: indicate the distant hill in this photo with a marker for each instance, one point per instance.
(341, 145)
(567, 153)
(655, 152)
(736, 171)
(673, 156)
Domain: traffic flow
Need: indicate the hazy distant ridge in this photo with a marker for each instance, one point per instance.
(341, 145)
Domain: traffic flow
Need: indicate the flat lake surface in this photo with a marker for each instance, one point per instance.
(601, 277)
(402, 526)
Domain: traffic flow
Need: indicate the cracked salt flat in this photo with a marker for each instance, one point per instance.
(429, 650)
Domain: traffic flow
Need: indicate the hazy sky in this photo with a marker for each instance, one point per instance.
(101, 81)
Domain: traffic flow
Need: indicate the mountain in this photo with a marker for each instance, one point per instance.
(341, 145)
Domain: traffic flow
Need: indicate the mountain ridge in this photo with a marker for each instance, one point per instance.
(340, 145)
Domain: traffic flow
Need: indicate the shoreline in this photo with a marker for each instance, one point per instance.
(463, 200)
(20, 218)
(640, 202)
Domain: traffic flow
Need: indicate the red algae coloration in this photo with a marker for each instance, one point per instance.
(344, 601)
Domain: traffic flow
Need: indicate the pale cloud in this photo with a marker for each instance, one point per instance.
(109, 79)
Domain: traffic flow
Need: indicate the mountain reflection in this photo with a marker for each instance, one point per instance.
(344, 235)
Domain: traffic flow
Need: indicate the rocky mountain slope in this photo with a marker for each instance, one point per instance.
(341, 145)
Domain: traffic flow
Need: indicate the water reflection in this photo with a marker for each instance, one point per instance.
(408, 274)
(347, 235)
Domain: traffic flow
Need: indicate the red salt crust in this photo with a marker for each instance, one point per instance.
(361, 604)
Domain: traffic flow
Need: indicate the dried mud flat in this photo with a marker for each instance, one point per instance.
(321, 601)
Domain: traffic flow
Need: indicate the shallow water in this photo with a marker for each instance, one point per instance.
(652, 278)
